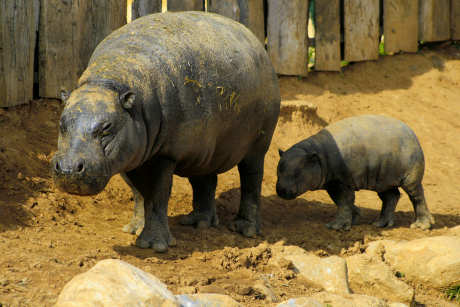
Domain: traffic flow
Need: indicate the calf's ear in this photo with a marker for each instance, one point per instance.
(127, 99)
(280, 152)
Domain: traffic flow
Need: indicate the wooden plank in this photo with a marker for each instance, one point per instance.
(434, 20)
(18, 30)
(69, 32)
(141, 8)
(252, 16)
(185, 5)
(400, 26)
(287, 36)
(455, 19)
(361, 30)
(227, 8)
(327, 35)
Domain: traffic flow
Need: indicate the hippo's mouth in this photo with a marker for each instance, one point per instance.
(87, 185)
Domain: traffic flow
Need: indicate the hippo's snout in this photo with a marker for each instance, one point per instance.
(77, 176)
(69, 167)
(285, 193)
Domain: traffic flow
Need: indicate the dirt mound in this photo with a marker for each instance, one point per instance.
(47, 237)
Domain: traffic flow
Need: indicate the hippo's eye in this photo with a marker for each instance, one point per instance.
(106, 129)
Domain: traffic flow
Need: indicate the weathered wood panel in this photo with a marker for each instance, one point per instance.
(400, 26)
(185, 5)
(228, 8)
(18, 30)
(69, 32)
(327, 35)
(434, 20)
(252, 16)
(455, 20)
(141, 8)
(287, 36)
(361, 30)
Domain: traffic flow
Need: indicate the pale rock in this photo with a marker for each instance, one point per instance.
(206, 300)
(398, 305)
(454, 231)
(329, 273)
(370, 276)
(114, 282)
(349, 300)
(301, 302)
(433, 261)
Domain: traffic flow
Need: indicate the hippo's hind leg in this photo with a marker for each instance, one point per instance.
(204, 207)
(389, 201)
(424, 219)
(251, 170)
(347, 213)
(137, 221)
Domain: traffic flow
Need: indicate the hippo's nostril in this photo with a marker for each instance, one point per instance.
(80, 166)
(57, 168)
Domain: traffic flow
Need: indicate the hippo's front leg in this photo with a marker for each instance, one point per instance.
(347, 213)
(154, 181)
(136, 224)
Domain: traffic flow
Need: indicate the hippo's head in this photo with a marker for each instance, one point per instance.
(99, 136)
(298, 172)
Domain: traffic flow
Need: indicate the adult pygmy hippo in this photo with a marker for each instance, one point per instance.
(369, 152)
(188, 93)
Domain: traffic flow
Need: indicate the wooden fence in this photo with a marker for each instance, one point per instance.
(46, 44)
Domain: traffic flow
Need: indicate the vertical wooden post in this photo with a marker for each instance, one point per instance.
(185, 5)
(434, 20)
(287, 36)
(18, 30)
(400, 26)
(361, 30)
(455, 19)
(327, 35)
(252, 16)
(227, 8)
(141, 8)
(69, 32)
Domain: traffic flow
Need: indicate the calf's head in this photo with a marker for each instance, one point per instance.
(99, 136)
(298, 172)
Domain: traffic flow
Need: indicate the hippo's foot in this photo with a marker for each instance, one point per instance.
(201, 220)
(356, 215)
(339, 224)
(423, 222)
(384, 221)
(135, 226)
(159, 241)
(245, 227)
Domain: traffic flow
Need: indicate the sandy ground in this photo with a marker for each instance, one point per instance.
(47, 237)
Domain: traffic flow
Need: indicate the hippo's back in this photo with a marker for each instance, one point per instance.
(378, 151)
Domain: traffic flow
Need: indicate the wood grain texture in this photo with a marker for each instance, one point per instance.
(69, 32)
(185, 5)
(252, 16)
(327, 35)
(227, 8)
(434, 20)
(18, 30)
(400, 26)
(287, 36)
(141, 8)
(361, 30)
(455, 19)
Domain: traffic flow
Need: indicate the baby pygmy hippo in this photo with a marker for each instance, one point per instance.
(369, 152)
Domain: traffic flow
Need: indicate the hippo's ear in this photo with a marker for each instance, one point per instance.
(64, 96)
(280, 152)
(127, 99)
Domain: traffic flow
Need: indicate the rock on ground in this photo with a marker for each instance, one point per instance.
(371, 276)
(206, 300)
(330, 273)
(433, 261)
(114, 282)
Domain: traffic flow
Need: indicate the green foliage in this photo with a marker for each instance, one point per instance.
(400, 274)
(382, 46)
(453, 293)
